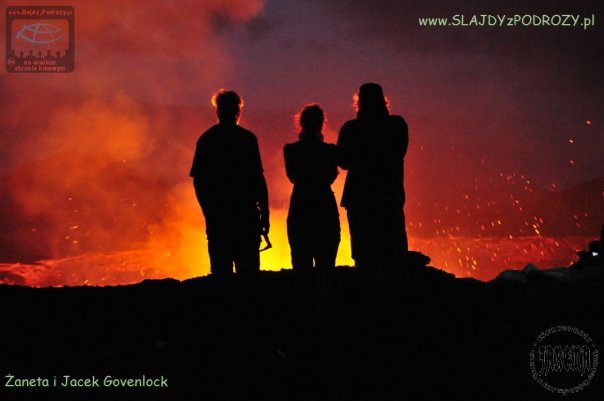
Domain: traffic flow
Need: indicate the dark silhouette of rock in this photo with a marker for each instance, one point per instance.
(232, 339)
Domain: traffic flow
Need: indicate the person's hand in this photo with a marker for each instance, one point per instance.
(264, 223)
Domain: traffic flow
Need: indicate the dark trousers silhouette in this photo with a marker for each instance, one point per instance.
(233, 240)
(313, 238)
(378, 237)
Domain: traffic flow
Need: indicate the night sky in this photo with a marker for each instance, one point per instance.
(505, 125)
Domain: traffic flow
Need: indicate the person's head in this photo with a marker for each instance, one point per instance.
(370, 101)
(311, 120)
(228, 106)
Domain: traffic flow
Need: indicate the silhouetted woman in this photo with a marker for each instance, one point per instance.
(313, 222)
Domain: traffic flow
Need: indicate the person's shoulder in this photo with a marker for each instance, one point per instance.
(208, 134)
(292, 148)
(331, 149)
(396, 119)
(246, 133)
(350, 123)
(329, 146)
(245, 136)
(348, 126)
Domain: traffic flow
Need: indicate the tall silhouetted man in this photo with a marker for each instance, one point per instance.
(372, 148)
(230, 187)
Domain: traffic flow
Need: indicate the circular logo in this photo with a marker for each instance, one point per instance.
(564, 359)
(40, 33)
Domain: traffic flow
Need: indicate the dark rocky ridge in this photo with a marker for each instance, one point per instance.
(281, 338)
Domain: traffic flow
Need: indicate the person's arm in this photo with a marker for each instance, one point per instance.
(261, 191)
(197, 172)
(263, 204)
(333, 173)
(289, 168)
(396, 148)
(404, 137)
(196, 161)
(401, 151)
(344, 147)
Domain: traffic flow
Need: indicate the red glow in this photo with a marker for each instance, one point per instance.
(97, 161)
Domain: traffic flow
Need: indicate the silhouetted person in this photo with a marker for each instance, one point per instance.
(31, 55)
(230, 187)
(49, 55)
(313, 222)
(372, 147)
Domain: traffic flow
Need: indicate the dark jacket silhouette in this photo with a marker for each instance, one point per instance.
(230, 187)
(313, 223)
(372, 148)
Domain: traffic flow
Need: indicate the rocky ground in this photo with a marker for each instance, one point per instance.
(421, 335)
